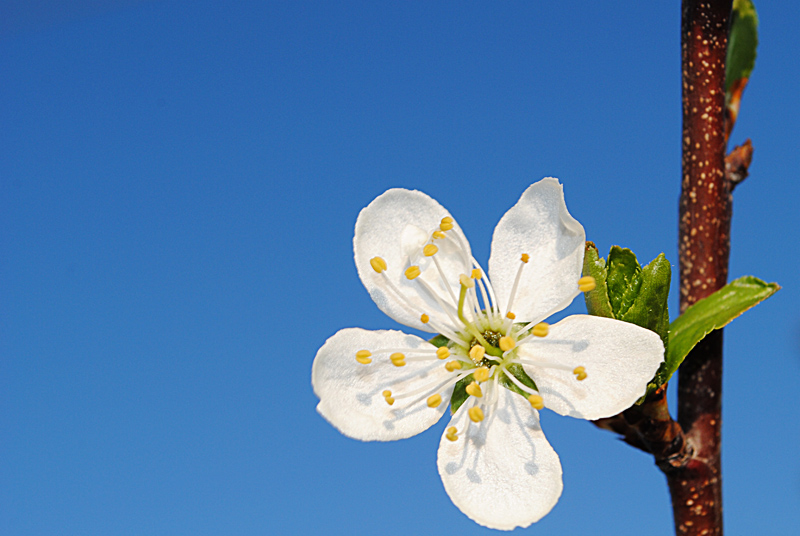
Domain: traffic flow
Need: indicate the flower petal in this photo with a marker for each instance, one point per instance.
(396, 226)
(539, 225)
(502, 473)
(350, 393)
(619, 358)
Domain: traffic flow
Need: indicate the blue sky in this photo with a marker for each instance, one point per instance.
(179, 183)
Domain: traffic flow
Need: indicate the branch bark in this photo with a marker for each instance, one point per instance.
(704, 245)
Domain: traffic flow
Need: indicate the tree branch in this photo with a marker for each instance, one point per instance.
(704, 245)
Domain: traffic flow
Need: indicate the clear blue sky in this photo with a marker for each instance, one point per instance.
(179, 183)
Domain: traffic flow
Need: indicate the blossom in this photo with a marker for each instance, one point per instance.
(496, 361)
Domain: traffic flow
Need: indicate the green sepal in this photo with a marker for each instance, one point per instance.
(742, 44)
(708, 314)
(460, 390)
(519, 373)
(439, 341)
(597, 302)
(460, 393)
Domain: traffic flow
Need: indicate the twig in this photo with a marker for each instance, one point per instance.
(704, 245)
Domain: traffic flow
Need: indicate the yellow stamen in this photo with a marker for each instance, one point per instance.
(447, 223)
(412, 272)
(438, 235)
(477, 352)
(536, 401)
(474, 389)
(377, 264)
(386, 393)
(447, 219)
(580, 373)
(466, 281)
(363, 353)
(511, 315)
(398, 359)
(476, 273)
(525, 258)
(429, 250)
(586, 283)
(452, 365)
(481, 375)
(541, 329)
(424, 318)
(443, 352)
(475, 414)
(451, 433)
(507, 343)
(434, 400)
(364, 360)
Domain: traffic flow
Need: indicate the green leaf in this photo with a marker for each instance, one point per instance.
(742, 43)
(597, 302)
(649, 309)
(713, 312)
(624, 280)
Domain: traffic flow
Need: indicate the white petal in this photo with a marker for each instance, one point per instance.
(539, 225)
(395, 227)
(619, 358)
(351, 393)
(502, 473)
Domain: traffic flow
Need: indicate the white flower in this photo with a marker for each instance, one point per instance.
(502, 362)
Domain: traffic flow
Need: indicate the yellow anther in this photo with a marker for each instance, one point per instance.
(477, 352)
(438, 235)
(377, 264)
(466, 281)
(541, 329)
(412, 272)
(363, 360)
(474, 389)
(525, 258)
(443, 352)
(446, 226)
(424, 318)
(398, 359)
(451, 433)
(511, 315)
(481, 375)
(363, 353)
(580, 373)
(586, 283)
(536, 401)
(476, 273)
(475, 414)
(447, 219)
(387, 393)
(434, 400)
(429, 250)
(389, 400)
(452, 365)
(507, 343)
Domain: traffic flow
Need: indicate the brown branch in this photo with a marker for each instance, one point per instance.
(650, 428)
(704, 244)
